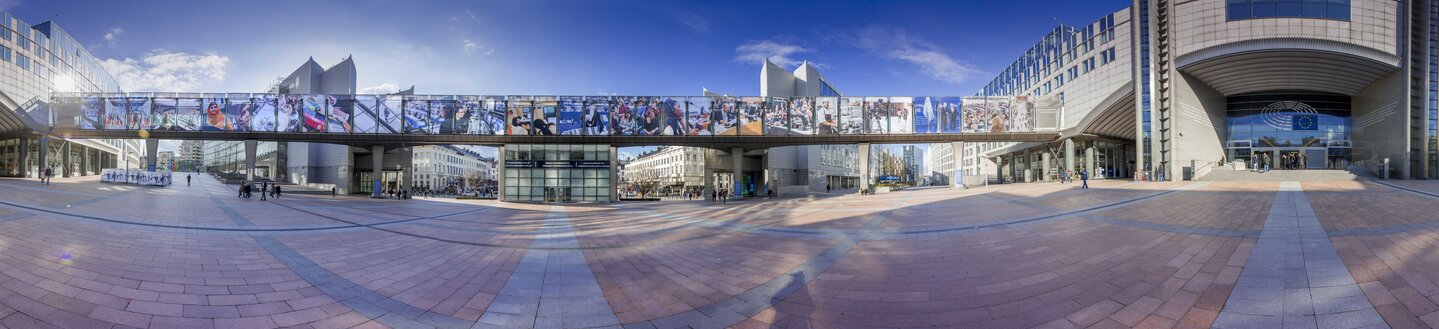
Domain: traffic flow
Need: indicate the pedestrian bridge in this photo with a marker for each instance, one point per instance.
(720, 122)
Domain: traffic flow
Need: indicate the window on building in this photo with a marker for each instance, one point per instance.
(1255, 9)
(22, 61)
(4, 53)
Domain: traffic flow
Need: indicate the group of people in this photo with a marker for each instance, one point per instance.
(1288, 161)
(1066, 176)
(247, 189)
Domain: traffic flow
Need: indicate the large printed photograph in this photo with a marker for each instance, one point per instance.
(215, 117)
(947, 109)
(115, 113)
(725, 114)
(263, 113)
(520, 116)
(926, 121)
(852, 117)
(876, 113)
(801, 116)
(312, 111)
(826, 115)
(901, 115)
(774, 114)
(92, 113)
(342, 111)
(417, 115)
(162, 116)
(571, 120)
(287, 119)
(442, 115)
(751, 116)
(698, 119)
(596, 118)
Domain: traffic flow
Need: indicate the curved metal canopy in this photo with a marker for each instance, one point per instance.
(1288, 64)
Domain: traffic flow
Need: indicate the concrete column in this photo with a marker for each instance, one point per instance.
(24, 157)
(152, 149)
(1044, 166)
(614, 173)
(709, 183)
(250, 147)
(65, 159)
(275, 169)
(44, 158)
(957, 177)
(1028, 166)
(1089, 157)
(1069, 154)
(769, 181)
(500, 173)
(377, 171)
(84, 161)
(737, 158)
(864, 177)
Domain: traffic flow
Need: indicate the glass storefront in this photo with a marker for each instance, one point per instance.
(1312, 126)
(557, 173)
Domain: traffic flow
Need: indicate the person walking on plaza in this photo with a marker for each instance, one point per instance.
(1084, 178)
(49, 173)
(334, 191)
(264, 189)
(187, 180)
(826, 188)
(277, 191)
(240, 192)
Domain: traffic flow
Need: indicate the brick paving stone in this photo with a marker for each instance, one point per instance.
(1153, 255)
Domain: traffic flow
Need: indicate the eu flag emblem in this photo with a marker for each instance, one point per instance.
(1305, 121)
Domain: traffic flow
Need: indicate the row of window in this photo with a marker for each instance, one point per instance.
(1254, 9)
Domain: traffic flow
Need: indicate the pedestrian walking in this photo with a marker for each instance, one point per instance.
(187, 180)
(277, 191)
(240, 193)
(49, 173)
(334, 191)
(826, 188)
(264, 189)
(1084, 178)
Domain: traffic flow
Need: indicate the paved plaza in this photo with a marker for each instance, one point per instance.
(1340, 254)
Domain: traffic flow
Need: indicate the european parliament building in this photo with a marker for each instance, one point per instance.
(1174, 89)
(36, 60)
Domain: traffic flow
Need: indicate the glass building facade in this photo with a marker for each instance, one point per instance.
(1313, 124)
(557, 173)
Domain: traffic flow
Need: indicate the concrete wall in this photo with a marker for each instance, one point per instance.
(1203, 24)
(1200, 124)
(1380, 124)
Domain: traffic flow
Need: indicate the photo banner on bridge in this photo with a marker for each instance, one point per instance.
(264, 115)
(901, 115)
(925, 119)
(947, 109)
(852, 118)
(215, 118)
(92, 113)
(697, 116)
(571, 115)
(557, 115)
(826, 114)
(801, 116)
(417, 115)
(596, 118)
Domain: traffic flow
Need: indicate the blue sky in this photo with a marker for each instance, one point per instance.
(562, 47)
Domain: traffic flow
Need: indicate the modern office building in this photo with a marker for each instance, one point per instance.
(810, 167)
(1167, 89)
(36, 60)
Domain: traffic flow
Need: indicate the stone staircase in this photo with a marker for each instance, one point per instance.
(1226, 174)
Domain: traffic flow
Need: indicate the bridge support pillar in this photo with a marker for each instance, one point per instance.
(709, 183)
(1069, 154)
(770, 183)
(250, 147)
(957, 177)
(65, 160)
(152, 149)
(44, 158)
(377, 171)
(737, 158)
(24, 157)
(864, 178)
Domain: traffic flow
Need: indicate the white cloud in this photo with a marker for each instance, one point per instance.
(897, 44)
(695, 22)
(471, 47)
(756, 52)
(383, 88)
(113, 35)
(162, 70)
